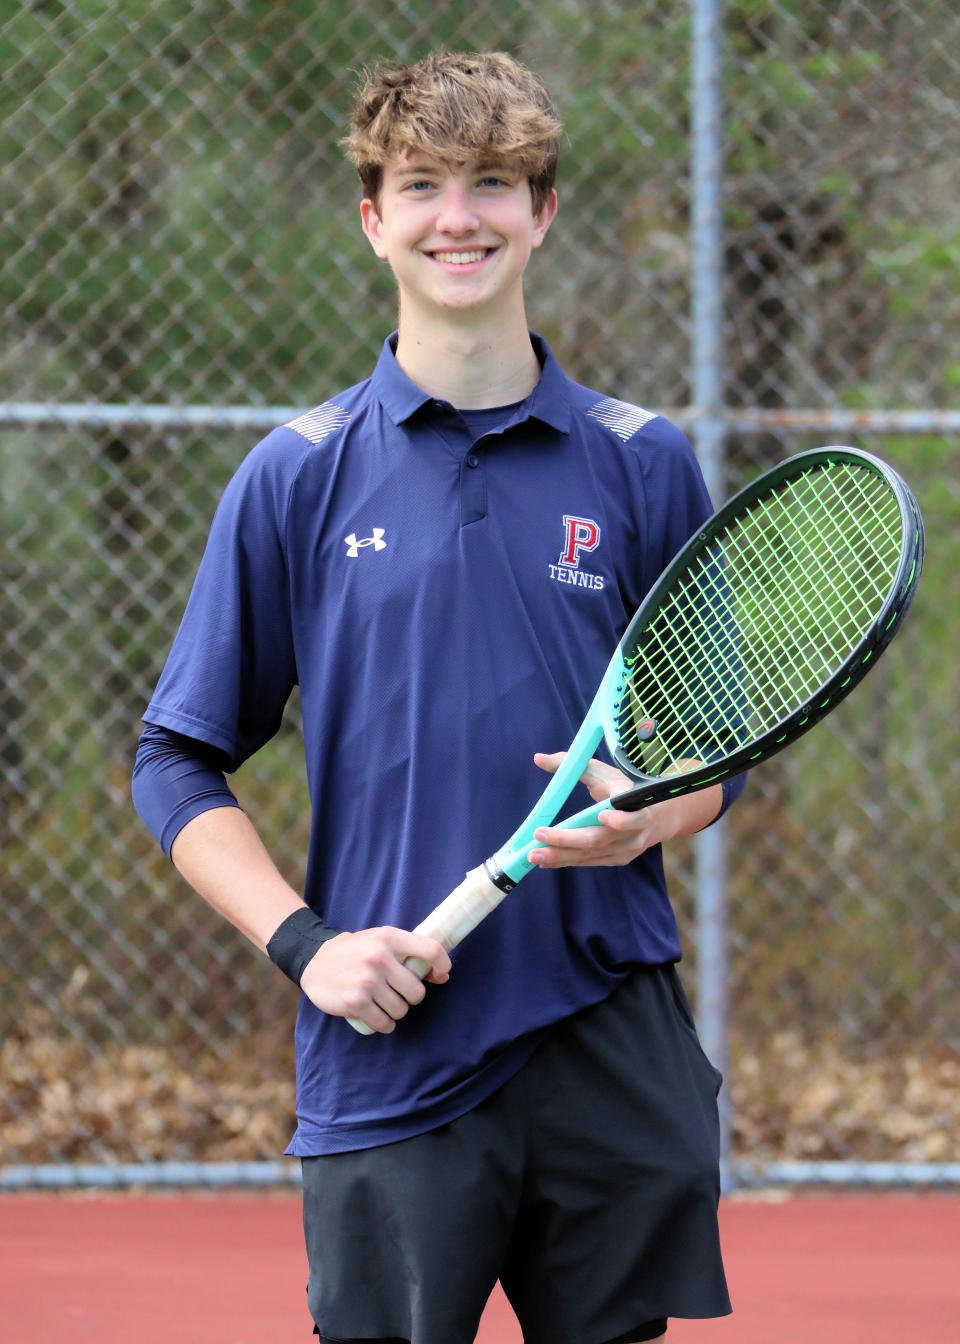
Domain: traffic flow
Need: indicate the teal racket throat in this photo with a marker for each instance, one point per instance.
(512, 860)
(765, 620)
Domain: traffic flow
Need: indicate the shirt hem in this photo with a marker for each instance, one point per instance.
(186, 724)
(319, 1141)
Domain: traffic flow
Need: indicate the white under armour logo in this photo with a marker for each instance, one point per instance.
(376, 541)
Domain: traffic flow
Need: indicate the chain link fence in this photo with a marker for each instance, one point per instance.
(181, 268)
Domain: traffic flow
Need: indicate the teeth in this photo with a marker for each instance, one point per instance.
(460, 258)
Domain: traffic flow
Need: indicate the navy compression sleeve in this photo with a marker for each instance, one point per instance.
(175, 778)
(732, 789)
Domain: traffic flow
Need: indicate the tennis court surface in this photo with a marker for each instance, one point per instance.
(229, 1269)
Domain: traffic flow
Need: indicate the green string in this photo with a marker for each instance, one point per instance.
(765, 614)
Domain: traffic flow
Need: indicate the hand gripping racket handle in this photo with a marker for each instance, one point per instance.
(450, 922)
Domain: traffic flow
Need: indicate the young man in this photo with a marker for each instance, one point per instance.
(442, 558)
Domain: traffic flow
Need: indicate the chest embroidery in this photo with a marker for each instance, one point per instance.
(580, 536)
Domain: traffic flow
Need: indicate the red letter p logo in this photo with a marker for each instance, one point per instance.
(579, 534)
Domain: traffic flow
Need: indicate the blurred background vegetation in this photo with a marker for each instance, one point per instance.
(178, 228)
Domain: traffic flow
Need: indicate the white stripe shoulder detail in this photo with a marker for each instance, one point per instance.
(621, 417)
(315, 425)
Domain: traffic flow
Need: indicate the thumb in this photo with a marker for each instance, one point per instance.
(602, 780)
(549, 761)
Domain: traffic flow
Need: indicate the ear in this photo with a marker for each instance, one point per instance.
(373, 226)
(545, 218)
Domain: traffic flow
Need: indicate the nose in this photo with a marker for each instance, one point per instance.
(457, 214)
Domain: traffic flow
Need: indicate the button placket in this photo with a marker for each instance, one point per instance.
(473, 489)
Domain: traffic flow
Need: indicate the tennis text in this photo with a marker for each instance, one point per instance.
(575, 577)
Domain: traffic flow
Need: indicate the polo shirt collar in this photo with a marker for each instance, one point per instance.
(401, 397)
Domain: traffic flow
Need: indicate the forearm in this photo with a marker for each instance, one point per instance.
(359, 975)
(690, 813)
(223, 858)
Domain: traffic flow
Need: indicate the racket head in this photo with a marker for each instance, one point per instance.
(765, 620)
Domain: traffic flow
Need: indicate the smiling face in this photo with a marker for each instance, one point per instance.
(456, 236)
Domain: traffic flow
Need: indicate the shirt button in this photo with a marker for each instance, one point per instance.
(473, 460)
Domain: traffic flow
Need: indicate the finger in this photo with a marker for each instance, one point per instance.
(634, 823)
(608, 849)
(426, 949)
(576, 837)
(613, 828)
(407, 984)
(395, 1003)
(559, 857)
(581, 858)
(591, 845)
(375, 1018)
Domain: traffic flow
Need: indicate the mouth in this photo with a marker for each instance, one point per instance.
(464, 259)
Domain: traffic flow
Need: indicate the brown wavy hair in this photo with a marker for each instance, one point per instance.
(456, 108)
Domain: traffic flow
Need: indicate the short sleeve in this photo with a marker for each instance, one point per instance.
(676, 495)
(232, 666)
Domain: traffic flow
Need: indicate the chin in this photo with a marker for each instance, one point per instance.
(463, 302)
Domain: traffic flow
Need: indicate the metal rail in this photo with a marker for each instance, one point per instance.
(697, 418)
(737, 1176)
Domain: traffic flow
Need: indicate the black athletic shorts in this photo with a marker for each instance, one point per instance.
(588, 1184)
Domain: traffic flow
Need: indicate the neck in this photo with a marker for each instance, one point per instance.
(473, 365)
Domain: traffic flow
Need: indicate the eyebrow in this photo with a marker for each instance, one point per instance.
(417, 170)
(484, 166)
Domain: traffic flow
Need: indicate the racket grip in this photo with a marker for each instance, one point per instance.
(451, 921)
(461, 912)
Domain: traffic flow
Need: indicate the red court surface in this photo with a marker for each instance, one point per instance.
(229, 1269)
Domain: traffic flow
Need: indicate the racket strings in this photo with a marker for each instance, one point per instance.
(762, 618)
(851, 588)
(857, 576)
(722, 645)
(795, 603)
(835, 584)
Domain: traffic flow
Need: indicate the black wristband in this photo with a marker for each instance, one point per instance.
(295, 942)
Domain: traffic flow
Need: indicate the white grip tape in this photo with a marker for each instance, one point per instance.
(462, 910)
(451, 921)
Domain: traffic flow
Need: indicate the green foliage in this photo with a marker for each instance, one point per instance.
(177, 224)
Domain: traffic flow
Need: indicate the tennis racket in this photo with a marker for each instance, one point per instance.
(763, 622)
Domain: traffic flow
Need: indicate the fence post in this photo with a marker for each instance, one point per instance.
(706, 211)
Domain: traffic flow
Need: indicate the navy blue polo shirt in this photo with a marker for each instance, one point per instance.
(446, 598)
